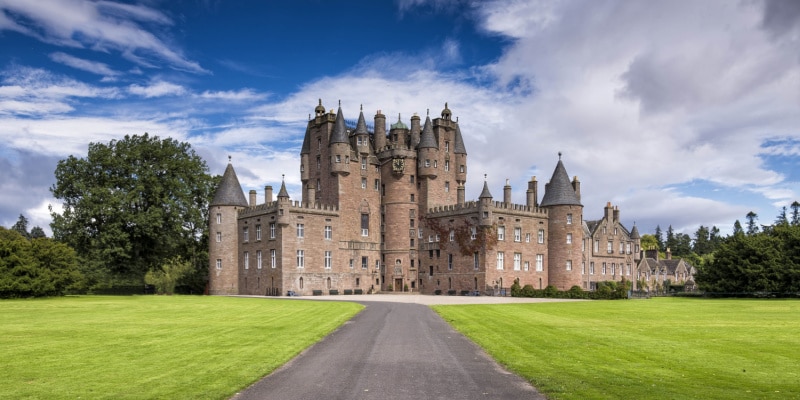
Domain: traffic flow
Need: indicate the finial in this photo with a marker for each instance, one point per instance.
(229, 158)
(283, 177)
(398, 117)
(320, 101)
(484, 177)
(309, 115)
(428, 112)
(559, 156)
(362, 106)
(445, 104)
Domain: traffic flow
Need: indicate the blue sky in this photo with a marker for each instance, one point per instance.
(681, 113)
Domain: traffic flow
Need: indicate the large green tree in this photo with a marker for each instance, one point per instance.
(134, 203)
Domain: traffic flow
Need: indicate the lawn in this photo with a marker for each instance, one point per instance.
(147, 347)
(665, 348)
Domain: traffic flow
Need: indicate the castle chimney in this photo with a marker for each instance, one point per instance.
(507, 193)
(252, 198)
(380, 131)
(669, 254)
(616, 213)
(576, 185)
(415, 130)
(268, 194)
(531, 199)
(608, 214)
(460, 196)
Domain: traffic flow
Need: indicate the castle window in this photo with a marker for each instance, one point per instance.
(461, 169)
(347, 159)
(302, 167)
(301, 258)
(301, 230)
(328, 259)
(446, 145)
(328, 232)
(412, 178)
(628, 270)
(246, 235)
(517, 234)
(596, 246)
(338, 158)
(364, 224)
(591, 268)
(517, 261)
(615, 231)
(363, 162)
(450, 262)
(319, 144)
(569, 238)
(501, 233)
(583, 267)
(540, 262)
(272, 258)
(219, 263)
(447, 187)
(378, 265)
(272, 230)
(351, 263)
(219, 237)
(430, 238)
(435, 163)
(430, 270)
(377, 184)
(427, 163)
(258, 232)
(319, 186)
(301, 282)
(446, 165)
(540, 237)
(219, 218)
(364, 262)
(412, 243)
(500, 257)
(363, 183)
(527, 265)
(473, 233)
(452, 235)
(246, 260)
(569, 219)
(569, 265)
(621, 248)
(318, 162)
(628, 247)
(419, 233)
(604, 269)
(258, 259)
(437, 239)
(358, 281)
(610, 247)
(412, 197)
(411, 222)
(476, 260)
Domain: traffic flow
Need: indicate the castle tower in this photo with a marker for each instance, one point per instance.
(379, 137)
(485, 206)
(223, 252)
(340, 146)
(565, 228)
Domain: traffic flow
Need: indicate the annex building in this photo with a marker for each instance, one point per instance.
(385, 210)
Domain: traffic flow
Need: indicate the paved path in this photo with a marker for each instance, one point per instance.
(392, 350)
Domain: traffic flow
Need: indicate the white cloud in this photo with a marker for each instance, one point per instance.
(157, 89)
(84, 65)
(99, 26)
(232, 95)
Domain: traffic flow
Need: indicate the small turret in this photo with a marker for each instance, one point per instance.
(428, 151)
(340, 146)
(415, 131)
(398, 132)
(283, 205)
(485, 205)
(507, 193)
(362, 135)
(531, 195)
(446, 114)
(319, 110)
(379, 137)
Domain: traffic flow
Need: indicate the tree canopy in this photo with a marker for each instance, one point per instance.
(134, 203)
(36, 267)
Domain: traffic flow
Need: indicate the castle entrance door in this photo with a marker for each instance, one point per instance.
(398, 284)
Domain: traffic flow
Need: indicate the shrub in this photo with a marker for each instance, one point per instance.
(516, 289)
(550, 291)
(528, 291)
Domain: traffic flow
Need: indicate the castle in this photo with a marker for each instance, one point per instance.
(385, 211)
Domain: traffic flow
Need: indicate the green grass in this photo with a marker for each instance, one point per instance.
(667, 348)
(148, 347)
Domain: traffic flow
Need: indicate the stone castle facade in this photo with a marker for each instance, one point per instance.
(386, 211)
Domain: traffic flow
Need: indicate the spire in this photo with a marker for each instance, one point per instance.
(635, 232)
(427, 140)
(361, 126)
(339, 134)
(283, 192)
(559, 190)
(229, 192)
(485, 193)
(458, 146)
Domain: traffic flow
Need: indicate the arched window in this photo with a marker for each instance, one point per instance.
(329, 282)
(301, 282)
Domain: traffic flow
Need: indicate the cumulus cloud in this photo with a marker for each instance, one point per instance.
(157, 89)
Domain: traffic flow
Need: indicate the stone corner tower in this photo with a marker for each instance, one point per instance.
(565, 226)
(223, 253)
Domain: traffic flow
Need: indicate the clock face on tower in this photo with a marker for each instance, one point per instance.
(398, 164)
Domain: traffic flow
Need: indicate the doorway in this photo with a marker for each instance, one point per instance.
(398, 284)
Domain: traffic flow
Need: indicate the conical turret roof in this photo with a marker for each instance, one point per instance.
(283, 192)
(559, 190)
(361, 125)
(485, 193)
(635, 232)
(306, 141)
(229, 192)
(339, 134)
(427, 139)
(458, 146)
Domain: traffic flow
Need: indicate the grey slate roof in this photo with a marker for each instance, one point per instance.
(361, 125)
(485, 193)
(339, 134)
(229, 192)
(458, 146)
(306, 141)
(283, 192)
(427, 140)
(559, 190)
(635, 233)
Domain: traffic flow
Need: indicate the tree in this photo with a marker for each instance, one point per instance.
(648, 242)
(165, 277)
(37, 267)
(659, 238)
(21, 226)
(134, 203)
(752, 223)
(683, 245)
(702, 241)
(671, 240)
(37, 233)
(737, 228)
(795, 213)
(781, 218)
(714, 238)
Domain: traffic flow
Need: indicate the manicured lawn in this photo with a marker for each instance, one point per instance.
(148, 347)
(666, 348)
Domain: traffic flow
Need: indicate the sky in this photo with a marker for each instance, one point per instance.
(681, 113)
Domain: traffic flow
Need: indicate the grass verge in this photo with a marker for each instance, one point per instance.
(146, 347)
(665, 348)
